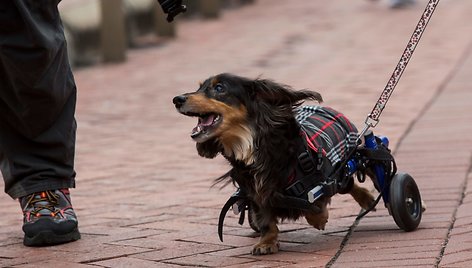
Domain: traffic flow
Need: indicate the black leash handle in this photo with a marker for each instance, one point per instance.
(373, 118)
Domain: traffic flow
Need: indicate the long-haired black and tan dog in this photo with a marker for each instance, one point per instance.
(259, 126)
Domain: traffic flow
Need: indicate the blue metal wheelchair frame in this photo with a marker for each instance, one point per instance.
(370, 142)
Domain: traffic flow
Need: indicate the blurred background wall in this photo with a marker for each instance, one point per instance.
(102, 30)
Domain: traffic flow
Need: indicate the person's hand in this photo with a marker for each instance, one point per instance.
(172, 8)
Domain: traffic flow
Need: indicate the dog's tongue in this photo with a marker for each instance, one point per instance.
(206, 121)
(202, 123)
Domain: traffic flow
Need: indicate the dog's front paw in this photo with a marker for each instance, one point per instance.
(265, 248)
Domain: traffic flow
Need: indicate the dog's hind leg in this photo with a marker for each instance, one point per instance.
(268, 244)
(362, 196)
(319, 220)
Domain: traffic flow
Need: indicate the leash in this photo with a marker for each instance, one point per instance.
(330, 186)
(373, 118)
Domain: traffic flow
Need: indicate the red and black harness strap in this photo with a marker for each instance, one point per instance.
(329, 131)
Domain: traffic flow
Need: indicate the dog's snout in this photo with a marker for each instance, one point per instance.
(179, 101)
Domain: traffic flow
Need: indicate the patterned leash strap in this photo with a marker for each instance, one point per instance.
(373, 118)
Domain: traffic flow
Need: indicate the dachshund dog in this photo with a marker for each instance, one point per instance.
(258, 126)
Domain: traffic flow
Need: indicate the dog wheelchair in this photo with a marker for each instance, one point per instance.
(398, 190)
(373, 158)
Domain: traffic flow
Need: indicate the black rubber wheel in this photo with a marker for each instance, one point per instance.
(405, 202)
(250, 219)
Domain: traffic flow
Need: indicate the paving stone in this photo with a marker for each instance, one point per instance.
(206, 260)
(416, 262)
(458, 259)
(130, 262)
(259, 264)
(177, 249)
(56, 263)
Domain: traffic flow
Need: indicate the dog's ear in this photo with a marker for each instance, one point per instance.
(209, 148)
(281, 95)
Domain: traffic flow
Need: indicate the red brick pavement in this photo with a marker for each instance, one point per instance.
(144, 196)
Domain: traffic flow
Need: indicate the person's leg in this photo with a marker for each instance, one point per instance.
(37, 125)
(40, 163)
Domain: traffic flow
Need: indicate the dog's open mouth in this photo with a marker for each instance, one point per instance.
(206, 124)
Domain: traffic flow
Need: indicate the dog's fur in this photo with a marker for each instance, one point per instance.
(252, 124)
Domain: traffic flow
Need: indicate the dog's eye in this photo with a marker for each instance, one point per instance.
(219, 88)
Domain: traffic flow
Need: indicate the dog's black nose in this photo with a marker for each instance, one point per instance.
(179, 101)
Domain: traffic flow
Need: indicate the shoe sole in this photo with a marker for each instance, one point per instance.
(49, 238)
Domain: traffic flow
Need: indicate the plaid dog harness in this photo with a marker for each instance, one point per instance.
(327, 137)
(328, 132)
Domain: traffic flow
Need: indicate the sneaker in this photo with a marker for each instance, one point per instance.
(48, 218)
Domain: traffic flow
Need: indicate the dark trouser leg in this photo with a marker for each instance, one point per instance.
(37, 99)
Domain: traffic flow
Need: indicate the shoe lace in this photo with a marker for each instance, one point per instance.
(46, 200)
